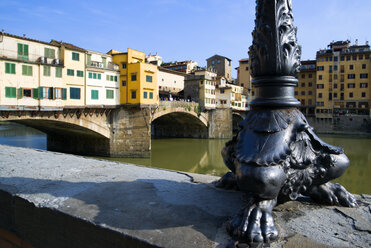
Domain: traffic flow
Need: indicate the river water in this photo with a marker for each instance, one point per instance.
(203, 155)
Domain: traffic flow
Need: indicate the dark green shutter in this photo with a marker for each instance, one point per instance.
(41, 93)
(88, 60)
(51, 93)
(35, 93)
(13, 92)
(7, 68)
(20, 93)
(7, 91)
(64, 94)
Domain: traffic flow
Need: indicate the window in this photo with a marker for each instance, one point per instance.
(335, 86)
(303, 93)
(123, 65)
(348, 58)
(94, 94)
(90, 75)
(310, 84)
(58, 93)
(123, 83)
(150, 95)
(335, 95)
(79, 73)
(336, 58)
(310, 75)
(115, 78)
(221, 91)
(27, 92)
(9, 68)
(320, 86)
(46, 71)
(58, 72)
(145, 94)
(351, 86)
(109, 94)
(320, 68)
(75, 93)
(99, 76)
(351, 67)
(342, 58)
(320, 77)
(22, 51)
(364, 85)
(218, 61)
(133, 77)
(354, 57)
(302, 75)
(310, 92)
(363, 94)
(360, 57)
(47, 92)
(111, 78)
(133, 94)
(363, 75)
(94, 75)
(70, 72)
(75, 56)
(342, 78)
(319, 95)
(26, 70)
(363, 66)
(335, 67)
(330, 68)
(107, 77)
(247, 68)
(335, 76)
(10, 92)
(350, 94)
(149, 79)
(351, 76)
(49, 53)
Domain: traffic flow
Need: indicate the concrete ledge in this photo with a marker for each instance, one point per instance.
(57, 200)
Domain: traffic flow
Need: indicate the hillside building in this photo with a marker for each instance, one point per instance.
(222, 66)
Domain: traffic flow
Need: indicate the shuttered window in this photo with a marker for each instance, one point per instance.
(22, 51)
(10, 68)
(109, 94)
(75, 93)
(26, 70)
(70, 72)
(58, 72)
(46, 71)
(79, 73)
(94, 94)
(49, 53)
(11, 92)
(75, 56)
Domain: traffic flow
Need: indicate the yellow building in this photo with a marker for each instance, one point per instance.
(305, 92)
(244, 78)
(343, 80)
(138, 79)
(73, 74)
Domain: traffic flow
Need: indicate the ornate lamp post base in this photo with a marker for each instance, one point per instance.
(276, 156)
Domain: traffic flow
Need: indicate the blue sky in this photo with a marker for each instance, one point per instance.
(180, 29)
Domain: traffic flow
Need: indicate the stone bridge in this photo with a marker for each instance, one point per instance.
(122, 131)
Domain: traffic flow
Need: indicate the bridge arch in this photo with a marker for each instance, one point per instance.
(180, 124)
(236, 118)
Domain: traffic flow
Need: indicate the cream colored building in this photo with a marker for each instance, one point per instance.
(187, 66)
(170, 83)
(73, 74)
(154, 59)
(30, 74)
(230, 96)
(102, 80)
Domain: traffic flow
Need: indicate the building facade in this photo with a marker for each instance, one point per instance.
(244, 77)
(138, 80)
(170, 84)
(102, 80)
(343, 80)
(222, 65)
(305, 92)
(200, 86)
(30, 74)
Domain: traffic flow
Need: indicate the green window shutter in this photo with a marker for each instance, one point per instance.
(88, 59)
(58, 72)
(20, 93)
(35, 93)
(99, 76)
(90, 75)
(7, 68)
(20, 49)
(29, 71)
(107, 77)
(145, 94)
(13, 92)
(51, 93)
(115, 78)
(109, 94)
(12, 68)
(46, 71)
(24, 70)
(25, 51)
(94, 95)
(94, 75)
(150, 95)
(111, 78)
(64, 94)
(7, 91)
(104, 61)
(41, 91)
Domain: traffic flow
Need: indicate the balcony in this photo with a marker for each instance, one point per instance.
(30, 57)
(100, 65)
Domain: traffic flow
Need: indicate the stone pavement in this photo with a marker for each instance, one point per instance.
(58, 200)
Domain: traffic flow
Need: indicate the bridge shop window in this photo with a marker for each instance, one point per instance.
(58, 93)
(109, 94)
(70, 72)
(150, 95)
(9, 68)
(148, 79)
(94, 94)
(75, 93)
(46, 92)
(80, 73)
(133, 94)
(58, 72)
(10, 92)
(145, 93)
(27, 92)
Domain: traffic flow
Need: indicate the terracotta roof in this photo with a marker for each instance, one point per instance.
(67, 45)
(244, 60)
(26, 38)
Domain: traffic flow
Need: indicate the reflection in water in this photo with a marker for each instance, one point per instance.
(203, 155)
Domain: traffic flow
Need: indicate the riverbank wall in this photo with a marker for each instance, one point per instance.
(353, 125)
(50, 199)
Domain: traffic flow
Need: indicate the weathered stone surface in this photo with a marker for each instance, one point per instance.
(56, 200)
(220, 123)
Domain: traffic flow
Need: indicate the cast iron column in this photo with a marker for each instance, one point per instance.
(276, 156)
